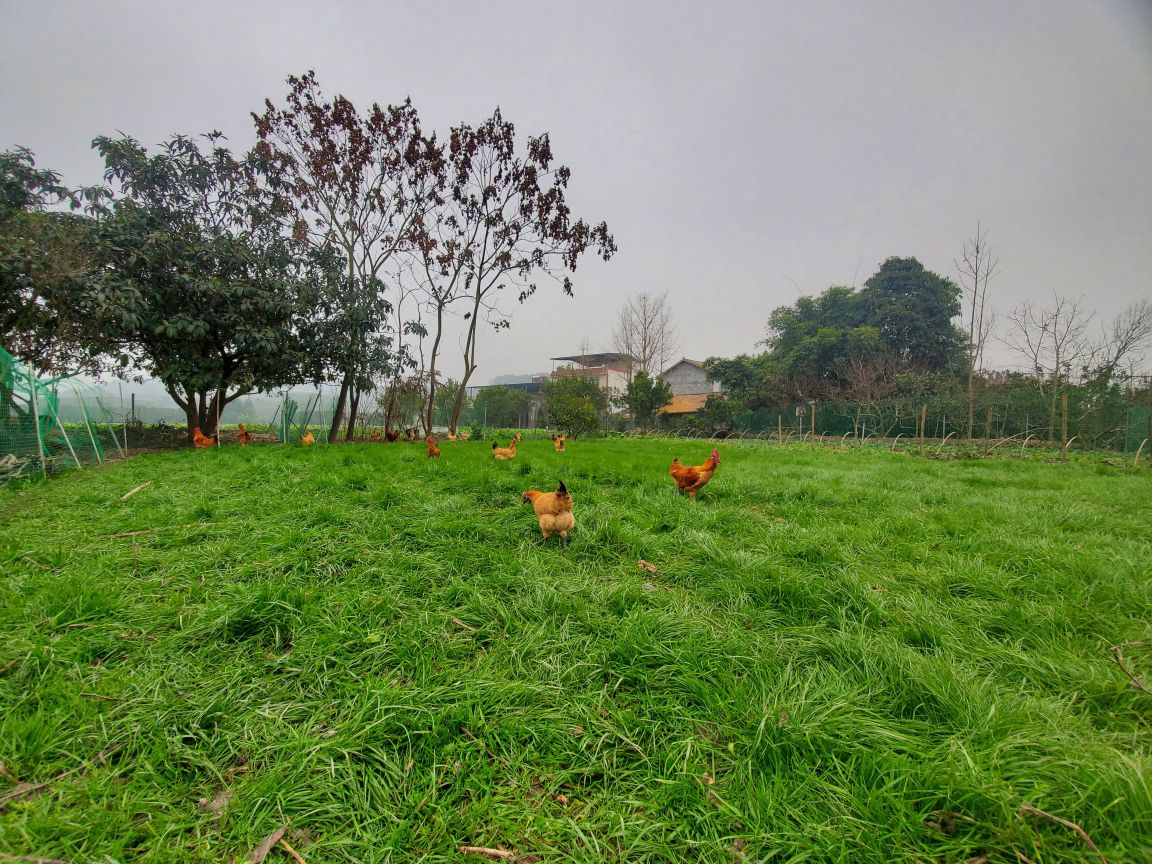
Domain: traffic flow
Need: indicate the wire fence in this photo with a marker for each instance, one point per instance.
(50, 424)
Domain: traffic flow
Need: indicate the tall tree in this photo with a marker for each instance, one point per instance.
(358, 184)
(574, 403)
(506, 222)
(976, 267)
(645, 331)
(195, 283)
(44, 258)
(645, 396)
(501, 406)
(913, 309)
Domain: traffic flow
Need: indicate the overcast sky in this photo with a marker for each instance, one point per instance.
(741, 153)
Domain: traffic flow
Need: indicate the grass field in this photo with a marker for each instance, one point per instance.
(843, 656)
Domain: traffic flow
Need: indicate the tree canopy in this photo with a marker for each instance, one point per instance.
(500, 406)
(575, 404)
(645, 396)
(196, 285)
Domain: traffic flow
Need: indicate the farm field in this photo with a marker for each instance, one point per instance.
(841, 656)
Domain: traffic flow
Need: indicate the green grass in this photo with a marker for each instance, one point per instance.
(844, 656)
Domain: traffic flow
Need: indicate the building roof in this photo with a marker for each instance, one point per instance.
(699, 364)
(688, 404)
(598, 359)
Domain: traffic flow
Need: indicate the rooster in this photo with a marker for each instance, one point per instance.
(242, 436)
(200, 441)
(392, 435)
(307, 438)
(691, 478)
(504, 453)
(558, 443)
(433, 450)
(553, 510)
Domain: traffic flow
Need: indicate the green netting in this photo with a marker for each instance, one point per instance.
(36, 436)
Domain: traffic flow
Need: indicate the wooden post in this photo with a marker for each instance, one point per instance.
(812, 425)
(133, 407)
(779, 428)
(1064, 417)
(923, 422)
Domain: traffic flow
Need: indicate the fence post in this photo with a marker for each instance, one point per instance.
(36, 423)
(812, 425)
(1064, 418)
(779, 427)
(923, 422)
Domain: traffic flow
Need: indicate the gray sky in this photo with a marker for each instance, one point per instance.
(736, 150)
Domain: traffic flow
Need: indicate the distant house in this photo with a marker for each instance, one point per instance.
(610, 371)
(690, 387)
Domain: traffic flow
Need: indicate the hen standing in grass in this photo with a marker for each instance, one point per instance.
(553, 510)
(691, 478)
(433, 450)
(307, 438)
(201, 441)
(558, 443)
(504, 453)
(242, 436)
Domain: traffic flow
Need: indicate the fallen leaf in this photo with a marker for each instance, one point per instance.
(216, 803)
(706, 779)
(577, 730)
(644, 565)
(648, 586)
(261, 852)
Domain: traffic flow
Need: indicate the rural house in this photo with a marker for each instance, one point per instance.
(690, 387)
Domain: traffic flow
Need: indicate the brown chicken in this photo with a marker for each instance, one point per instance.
(558, 443)
(433, 450)
(242, 436)
(392, 435)
(307, 438)
(504, 453)
(553, 511)
(200, 440)
(464, 436)
(691, 478)
(410, 433)
(375, 436)
(451, 436)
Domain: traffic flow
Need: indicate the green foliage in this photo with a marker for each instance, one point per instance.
(44, 259)
(575, 404)
(913, 310)
(197, 286)
(645, 396)
(720, 412)
(837, 648)
(502, 406)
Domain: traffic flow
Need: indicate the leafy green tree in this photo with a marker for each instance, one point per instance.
(719, 412)
(575, 404)
(44, 260)
(500, 406)
(645, 396)
(913, 311)
(196, 285)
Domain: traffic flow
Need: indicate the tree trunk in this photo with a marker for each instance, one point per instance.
(338, 413)
(971, 400)
(353, 408)
(428, 419)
